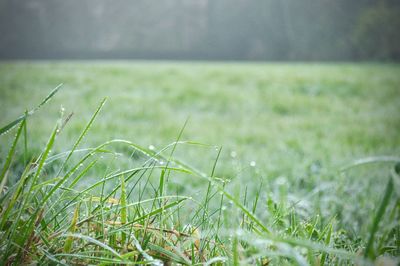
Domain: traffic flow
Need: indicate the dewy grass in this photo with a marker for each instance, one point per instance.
(81, 207)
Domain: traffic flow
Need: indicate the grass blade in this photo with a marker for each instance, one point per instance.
(93, 241)
(124, 216)
(10, 156)
(245, 210)
(43, 157)
(83, 133)
(51, 192)
(327, 242)
(69, 241)
(12, 124)
(369, 252)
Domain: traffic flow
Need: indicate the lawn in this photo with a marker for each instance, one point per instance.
(284, 117)
(289, 127)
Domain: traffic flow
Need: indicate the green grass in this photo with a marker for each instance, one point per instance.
(274, 192)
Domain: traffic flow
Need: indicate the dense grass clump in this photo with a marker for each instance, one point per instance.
(120, 203)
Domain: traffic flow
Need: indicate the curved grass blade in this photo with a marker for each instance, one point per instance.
(93, 151)
(51, 257)
(101, 260)
(93, 241)
(150, 214)
(12, 124)
(369, 160)
(149, 258)
(162, 253)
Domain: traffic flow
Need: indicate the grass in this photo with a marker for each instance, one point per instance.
(274, 194)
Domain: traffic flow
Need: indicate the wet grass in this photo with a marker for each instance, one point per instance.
(275, 193)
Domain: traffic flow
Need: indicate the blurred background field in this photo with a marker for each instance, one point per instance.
(284, 117)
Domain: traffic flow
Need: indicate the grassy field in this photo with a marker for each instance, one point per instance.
(285, 130)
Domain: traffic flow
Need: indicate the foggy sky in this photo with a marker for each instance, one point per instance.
(200, 29)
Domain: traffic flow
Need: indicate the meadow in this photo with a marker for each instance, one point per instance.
(237, 163)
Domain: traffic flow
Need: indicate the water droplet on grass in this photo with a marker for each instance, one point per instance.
(151, 147)
(280, 181)
(252, 163)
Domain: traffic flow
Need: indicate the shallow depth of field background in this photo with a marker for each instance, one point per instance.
(284, 117)
(291, 91)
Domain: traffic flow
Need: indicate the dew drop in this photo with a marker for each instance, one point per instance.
(151, 147)
(252, 163)
(280, 181)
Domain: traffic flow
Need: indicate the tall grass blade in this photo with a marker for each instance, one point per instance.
(12, 124)
(15, 196)
(207, 197)
(25, 142)
(235, 251)
(51, 192)
(124, 216)
(82, 135)
(369, 252)
(69, 241)
(10, 156)
(43, 157)
(327, 242)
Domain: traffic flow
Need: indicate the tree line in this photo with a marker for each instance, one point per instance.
(201, 29)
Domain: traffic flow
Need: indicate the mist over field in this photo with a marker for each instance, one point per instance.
(202, 29)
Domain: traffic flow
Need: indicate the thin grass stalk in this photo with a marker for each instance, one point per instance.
(369, 252)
